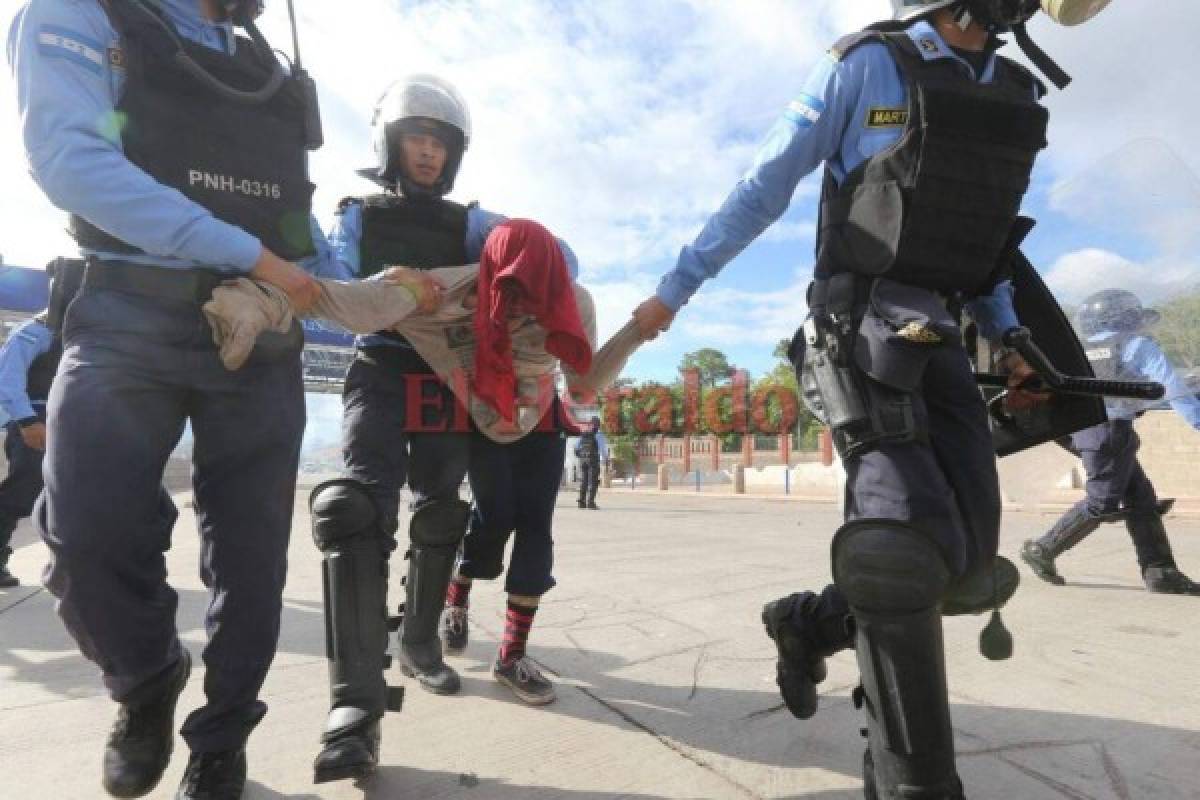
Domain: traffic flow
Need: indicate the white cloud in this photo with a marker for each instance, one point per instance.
(1082, 272)
(622, 124)
(731, 317)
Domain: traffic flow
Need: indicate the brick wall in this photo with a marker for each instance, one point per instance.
(1170, 453)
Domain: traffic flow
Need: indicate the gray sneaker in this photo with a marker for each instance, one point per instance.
(454, 630)
(526, 680)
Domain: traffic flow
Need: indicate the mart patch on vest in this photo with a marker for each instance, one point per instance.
(882, 117)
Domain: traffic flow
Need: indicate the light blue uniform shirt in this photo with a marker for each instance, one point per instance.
(346, 238)
(1143, 359)
(827, 123)
(28, 341)
(62, 56)
(601, 446)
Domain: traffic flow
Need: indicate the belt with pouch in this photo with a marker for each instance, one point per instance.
(180, 285)
(193, 286)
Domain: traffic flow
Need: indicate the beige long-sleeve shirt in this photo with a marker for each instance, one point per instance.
(445, 338)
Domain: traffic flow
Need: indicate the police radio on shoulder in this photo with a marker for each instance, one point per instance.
(243, 14)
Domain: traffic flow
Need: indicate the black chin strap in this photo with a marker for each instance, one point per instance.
(1053, 72)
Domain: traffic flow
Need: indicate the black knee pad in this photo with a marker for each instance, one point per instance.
(439, 523)
(889, 566)
(341, 509)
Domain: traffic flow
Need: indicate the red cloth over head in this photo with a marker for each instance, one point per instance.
(523, 255)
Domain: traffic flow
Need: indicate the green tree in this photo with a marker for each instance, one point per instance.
(711, 365)
(1179, 331)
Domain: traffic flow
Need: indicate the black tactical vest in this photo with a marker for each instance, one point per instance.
(936, 209)
(1106, 361)
(41, 372)
(246, 163)
(422, 233)
(588, 448)
(401, 231)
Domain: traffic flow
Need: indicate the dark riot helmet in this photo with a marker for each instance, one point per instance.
(423, 104)
(1114, 311)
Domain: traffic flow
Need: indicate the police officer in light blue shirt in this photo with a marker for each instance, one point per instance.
(28, 360)
(1116, 334)
(591, 450)
(401, 426)
(180, 152)
(928, 139)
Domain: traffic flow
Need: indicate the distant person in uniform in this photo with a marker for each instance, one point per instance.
(27, 364)
(1115, 327)
(592, 451)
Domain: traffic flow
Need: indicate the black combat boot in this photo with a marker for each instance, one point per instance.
(1071, 529)
(1041, 561)
(1169, 580)
(7, 579)
(792, 623)
(139, 746)
(214, 776)
(354, 755)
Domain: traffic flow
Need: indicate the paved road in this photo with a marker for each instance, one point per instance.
(666, 680)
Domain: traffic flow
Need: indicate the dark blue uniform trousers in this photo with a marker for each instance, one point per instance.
(401, 425)
(1117, 482)
(515, 487)
(1115, 479)
(21, 486)
(947, 486)
(135, 369)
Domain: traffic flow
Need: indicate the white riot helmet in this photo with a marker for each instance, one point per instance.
(1002, 16)
(905, 10)
(1005, 13)
(419, 104)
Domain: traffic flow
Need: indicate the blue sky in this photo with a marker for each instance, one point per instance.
(622, 124)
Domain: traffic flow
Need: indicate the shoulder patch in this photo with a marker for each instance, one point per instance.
(804, 111)
(58, 42)
(886, 117)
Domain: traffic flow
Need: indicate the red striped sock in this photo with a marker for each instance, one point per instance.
(457, 594)
(517, 622)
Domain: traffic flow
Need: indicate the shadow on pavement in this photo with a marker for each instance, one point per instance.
(1054, 754)
(55, 662)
